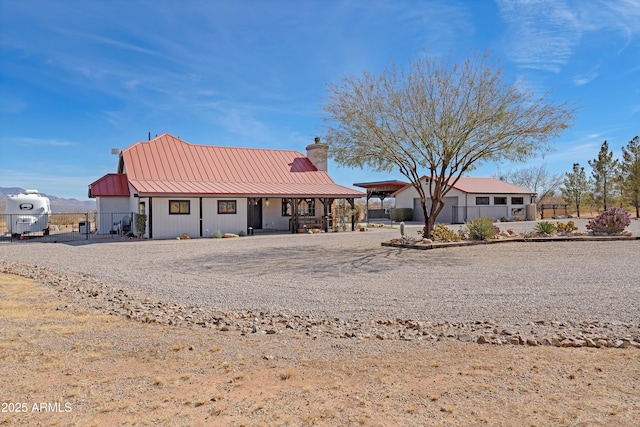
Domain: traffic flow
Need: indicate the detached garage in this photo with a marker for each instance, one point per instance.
(471, 198)
(446, 215)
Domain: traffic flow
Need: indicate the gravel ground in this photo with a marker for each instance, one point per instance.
(350, 276)
(235, 357)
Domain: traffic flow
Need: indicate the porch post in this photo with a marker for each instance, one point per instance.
(201, 218)
(325, 214)
(294, 215)
(150, 218)
(352, 203)
(368, 197)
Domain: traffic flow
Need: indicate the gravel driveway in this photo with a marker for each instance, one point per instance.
(349, 275)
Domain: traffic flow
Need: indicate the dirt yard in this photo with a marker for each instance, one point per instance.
(63, 366)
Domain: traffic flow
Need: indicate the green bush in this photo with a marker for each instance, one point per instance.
(141, 224)
(545, 227)
(480, 228)
(443, 233)
(217, 234)
(611, 221)
(402, 214)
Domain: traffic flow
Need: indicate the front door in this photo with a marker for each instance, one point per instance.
(255, 214)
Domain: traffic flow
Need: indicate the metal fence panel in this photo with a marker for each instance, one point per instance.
(67, 227)
(462, 214)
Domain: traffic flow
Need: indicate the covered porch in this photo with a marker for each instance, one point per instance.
(298, 214)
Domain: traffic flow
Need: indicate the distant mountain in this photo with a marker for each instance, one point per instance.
(58, 204)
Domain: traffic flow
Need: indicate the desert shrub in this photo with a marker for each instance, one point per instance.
(611, 221)
(242, 233)
(566, 228)
(402, 214)
(217, 234)
(444, 233)
(480, 228)
(545, 227)
(141, 224)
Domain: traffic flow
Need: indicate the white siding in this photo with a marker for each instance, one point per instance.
(446, 214)
(226, 223)
(166, 226)
(466, 203)
(110, 212)
(407, 199)
(272, 218)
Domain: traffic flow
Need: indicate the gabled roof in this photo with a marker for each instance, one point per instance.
(169, 165)
(112, 184)
(488, 185)
(478, 185)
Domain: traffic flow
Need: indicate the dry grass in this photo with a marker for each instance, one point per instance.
(114, 372)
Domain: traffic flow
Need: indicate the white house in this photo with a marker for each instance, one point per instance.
(198, 189)
(471, 198)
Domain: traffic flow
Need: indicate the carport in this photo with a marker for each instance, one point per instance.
(381, 190)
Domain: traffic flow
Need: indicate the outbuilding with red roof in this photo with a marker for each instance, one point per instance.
(472, 197)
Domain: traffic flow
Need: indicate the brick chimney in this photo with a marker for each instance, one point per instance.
(317, 154)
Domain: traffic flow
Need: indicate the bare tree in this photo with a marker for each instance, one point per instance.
(438, 119)
(535, 178)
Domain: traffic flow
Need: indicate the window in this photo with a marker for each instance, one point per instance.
(517, 200)
(179, 207)
(286, 207)
(226, 207)
(499, 200)
(306, 207)
(482, 200)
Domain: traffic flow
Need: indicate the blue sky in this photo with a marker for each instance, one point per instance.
(78, 78)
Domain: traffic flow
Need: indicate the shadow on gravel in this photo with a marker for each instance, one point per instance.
(319, 262)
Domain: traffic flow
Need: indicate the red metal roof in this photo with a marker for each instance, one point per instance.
(171, 166)
(382, 185)
(112, 184)
(477, 185)
(488, 185)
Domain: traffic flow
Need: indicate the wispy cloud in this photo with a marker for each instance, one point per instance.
(543, 34)
(584, 79)
(36, 142)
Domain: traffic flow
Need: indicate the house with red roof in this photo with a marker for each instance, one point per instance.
(472, 197)
(200, 189)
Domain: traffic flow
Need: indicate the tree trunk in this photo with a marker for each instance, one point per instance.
(428, 223)
(436, 208)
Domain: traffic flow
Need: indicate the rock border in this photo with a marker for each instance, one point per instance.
(80, 292)
(438, 245)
